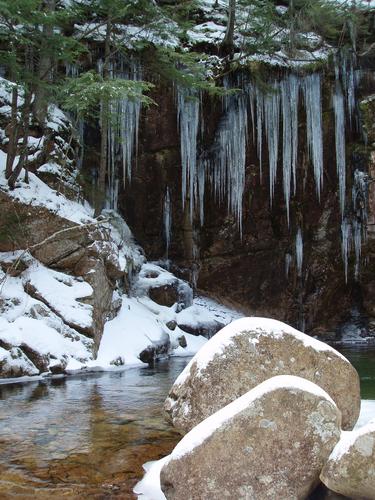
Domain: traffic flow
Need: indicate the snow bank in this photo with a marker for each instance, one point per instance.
(62, 292)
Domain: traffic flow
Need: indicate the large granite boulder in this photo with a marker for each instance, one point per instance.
(248, 352)
(270, 443)
(350, 469)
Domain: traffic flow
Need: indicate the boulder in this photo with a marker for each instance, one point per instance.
(248, 352)
(350, 469)
(270, 443)
(164, 295)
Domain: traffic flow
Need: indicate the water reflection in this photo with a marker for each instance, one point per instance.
(84, 436)
(87, 437)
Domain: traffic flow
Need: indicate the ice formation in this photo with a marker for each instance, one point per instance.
(299, 251)
(339, 110)
(188, 121)
(167, 220)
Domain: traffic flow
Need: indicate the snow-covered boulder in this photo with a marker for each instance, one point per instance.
(246, 353)
(162, 287)
(14, 363)
(350, 469)
(270, 443)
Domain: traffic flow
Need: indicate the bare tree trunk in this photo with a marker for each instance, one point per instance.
(40, 105)
(13, 134)
(104, 121)
(228, 43)
(22, 163)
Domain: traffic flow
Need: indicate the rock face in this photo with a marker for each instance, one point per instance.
(270, 443)
(248, 352)
(350, 469)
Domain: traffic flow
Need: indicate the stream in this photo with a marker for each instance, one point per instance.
(88, 436)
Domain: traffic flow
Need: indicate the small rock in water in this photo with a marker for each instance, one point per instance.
(350, 469)
(269, 444)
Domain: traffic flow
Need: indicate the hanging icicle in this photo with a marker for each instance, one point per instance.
(312, 95)
(272, 125)
(345, 245)
(289, 105)
(129, 112)
(338, 106)
(299, 252)
(167, 220)
(188, 121)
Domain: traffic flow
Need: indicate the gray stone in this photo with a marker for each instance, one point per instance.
(350, 470)
(269, 444)
(249, 351)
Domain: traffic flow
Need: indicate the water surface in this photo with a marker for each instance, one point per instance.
(87, 437)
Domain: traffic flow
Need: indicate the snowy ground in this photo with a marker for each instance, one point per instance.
(47, 326)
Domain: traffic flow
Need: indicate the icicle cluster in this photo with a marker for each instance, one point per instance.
(188, 121)
(129, 113)
(339, 110)
(123, 128)
(311, 86)
(354, 225)
(229, 171)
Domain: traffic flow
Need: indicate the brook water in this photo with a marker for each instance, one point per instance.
(87, 437)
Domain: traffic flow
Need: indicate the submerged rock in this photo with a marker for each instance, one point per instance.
(248, 352)
(270, 443)
(350, 470)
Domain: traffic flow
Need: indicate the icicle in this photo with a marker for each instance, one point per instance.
(288, 261)
(188, 120)
(112, 185)
(201, 189)
(312, 95)
(299, 251)
(359, 200)
(272, 123)
(345, 245)
(360, 194)
(338, 106)
(232, 154)
(129, 111)
(357, 236)
(259, 99)
(294, 87)
(251, 97)
(287, 141)
(167, 220)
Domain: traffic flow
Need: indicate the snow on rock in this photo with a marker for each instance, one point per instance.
(350, 469)
(205, 316)
(162, 287)
(248, 351)
(14, 363)
(38, 194)
(138, 325)
(35, 337)
(279, 435)
(61, 293)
